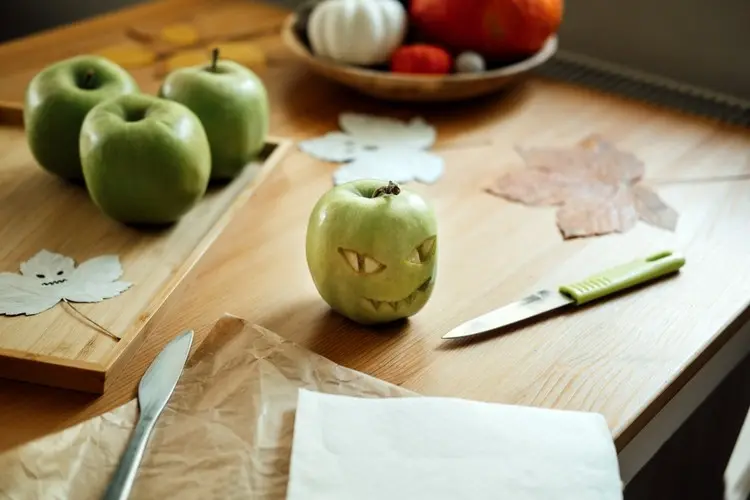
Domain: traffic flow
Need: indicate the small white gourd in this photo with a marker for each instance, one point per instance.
(360, 32)
(470, 62)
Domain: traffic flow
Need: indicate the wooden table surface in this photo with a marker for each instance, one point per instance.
(624, 358)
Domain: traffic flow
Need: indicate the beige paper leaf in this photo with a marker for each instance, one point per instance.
(187, 59)
(652, 209)
(594, 184)
(592, 158)
(612, 163)
(245, 53)
(179, 34)
(542, 187)
(589, 217)
(129, 55)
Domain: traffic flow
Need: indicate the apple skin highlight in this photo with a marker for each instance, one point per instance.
(146, 160)
(57, 101)
(231, 103)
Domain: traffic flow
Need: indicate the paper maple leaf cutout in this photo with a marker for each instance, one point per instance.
(47, 278)
(379, 148)
(596, 187)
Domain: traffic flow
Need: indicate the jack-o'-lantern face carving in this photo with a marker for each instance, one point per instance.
(373, 258)
(367, 267)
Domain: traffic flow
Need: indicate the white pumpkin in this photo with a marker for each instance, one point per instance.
(361, 32)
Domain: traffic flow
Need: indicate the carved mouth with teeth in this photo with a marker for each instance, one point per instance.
(55, 282)
(397, 305)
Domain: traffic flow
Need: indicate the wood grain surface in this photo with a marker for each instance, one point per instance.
(624, 358)
(83, 346)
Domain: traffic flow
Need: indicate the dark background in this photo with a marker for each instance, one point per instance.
(701, 42)
(22, 17)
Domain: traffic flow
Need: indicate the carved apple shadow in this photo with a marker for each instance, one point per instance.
(333, 336)
(360, 347)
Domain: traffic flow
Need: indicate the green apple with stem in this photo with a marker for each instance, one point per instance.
(372, 250)
(56, 102)
(146, 160)
(232, 104)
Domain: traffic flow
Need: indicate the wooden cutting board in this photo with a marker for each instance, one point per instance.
(63, 346)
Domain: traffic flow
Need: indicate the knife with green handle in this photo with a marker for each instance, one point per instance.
(603, 284)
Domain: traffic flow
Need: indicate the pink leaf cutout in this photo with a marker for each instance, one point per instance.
(594, 185)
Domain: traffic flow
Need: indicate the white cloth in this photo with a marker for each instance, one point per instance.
(415, 448)
(737, 472)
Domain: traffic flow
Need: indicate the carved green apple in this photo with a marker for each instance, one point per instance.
(372, 251)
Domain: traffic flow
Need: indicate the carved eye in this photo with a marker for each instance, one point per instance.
(361, 263)
(423, 252)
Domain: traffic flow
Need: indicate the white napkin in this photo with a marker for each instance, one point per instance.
(413, 448)
(737, 472)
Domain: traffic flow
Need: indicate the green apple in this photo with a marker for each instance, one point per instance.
(146, 160)
(56, 102)
(232, 104)
(372, 250)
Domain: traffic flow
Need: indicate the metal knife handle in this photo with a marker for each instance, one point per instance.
(122, 481)
(624, 276)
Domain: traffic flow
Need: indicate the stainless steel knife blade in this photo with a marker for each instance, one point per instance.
(161, 378)
(154, 391)
(537, 303)
(608, 282)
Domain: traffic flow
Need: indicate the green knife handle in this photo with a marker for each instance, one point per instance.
(622, 277)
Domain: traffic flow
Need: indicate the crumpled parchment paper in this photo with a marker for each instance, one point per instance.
(226, 432)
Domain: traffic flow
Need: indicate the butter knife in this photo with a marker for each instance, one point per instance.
(154, 391)
(594, 287)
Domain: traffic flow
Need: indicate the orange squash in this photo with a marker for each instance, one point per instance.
(497, 29)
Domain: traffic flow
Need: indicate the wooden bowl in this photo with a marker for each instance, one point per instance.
(422, 88)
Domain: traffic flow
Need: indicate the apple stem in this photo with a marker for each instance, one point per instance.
(88, 78)
(391, 188)
(214, 59)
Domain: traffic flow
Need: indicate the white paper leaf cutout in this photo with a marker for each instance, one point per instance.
(379, 148)
(95, 280)
(47, 278)
(393, 164)
(384, 131)
(22, 295)
(46, 266)
(333, 146)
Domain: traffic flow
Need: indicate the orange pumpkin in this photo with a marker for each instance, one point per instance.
(497, 29)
